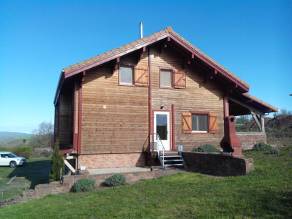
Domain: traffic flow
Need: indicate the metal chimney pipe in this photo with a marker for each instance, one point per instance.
(141, 30)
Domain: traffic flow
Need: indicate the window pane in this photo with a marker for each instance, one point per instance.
(126, 75)
(161, 126)
(199, 122)
(165, 78)
(203, 122)
(195, 122)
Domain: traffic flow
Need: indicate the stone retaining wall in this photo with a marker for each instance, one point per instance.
(217, 164)
(130, 177)
(42, 190)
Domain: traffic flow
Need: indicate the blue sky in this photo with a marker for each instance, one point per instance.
(39, 38)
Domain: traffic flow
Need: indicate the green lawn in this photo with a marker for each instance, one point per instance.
(265, 193)
(36, 171)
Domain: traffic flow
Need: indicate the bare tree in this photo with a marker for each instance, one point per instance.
(43, 135)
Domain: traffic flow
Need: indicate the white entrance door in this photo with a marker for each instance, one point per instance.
(162, 130)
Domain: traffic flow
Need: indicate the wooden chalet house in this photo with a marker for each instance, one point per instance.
(152, 95)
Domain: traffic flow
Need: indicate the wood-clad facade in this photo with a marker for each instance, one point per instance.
(114, 117)
(108, 123)
(198, 96)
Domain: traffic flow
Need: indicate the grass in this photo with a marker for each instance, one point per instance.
(36, 171)
(264, 193)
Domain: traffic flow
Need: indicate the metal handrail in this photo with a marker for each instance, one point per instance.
(158, 149)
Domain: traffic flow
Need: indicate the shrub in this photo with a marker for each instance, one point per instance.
(274, 151)
(83, 185)
(206, 148)
(262, 147)
(266, 148)
(115, 180)
(23, 151)
(57, 163)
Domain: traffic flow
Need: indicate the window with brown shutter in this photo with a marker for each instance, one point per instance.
(179, 79)
(165, 78)
(126, 75)
(199, 122)
(213, 126)
(141, 77)
(187, 122)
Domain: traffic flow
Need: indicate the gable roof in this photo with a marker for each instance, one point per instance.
(145, 41)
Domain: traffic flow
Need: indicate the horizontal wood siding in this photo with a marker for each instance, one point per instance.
(198, 96)
(114, 117)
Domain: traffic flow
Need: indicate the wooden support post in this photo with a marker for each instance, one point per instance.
(263, 124)
(226, 107)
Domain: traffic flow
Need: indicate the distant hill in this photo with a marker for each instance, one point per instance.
(13, 138)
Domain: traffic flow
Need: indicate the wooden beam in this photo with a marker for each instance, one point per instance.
(142, 52)
(256, 119)
(69, 166)
(83, 76)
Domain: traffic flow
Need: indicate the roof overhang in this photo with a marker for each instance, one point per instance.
(139, 44)
(243, 104)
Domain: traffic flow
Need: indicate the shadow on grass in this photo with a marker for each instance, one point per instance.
(278, 203)
(266, 203)
(36, 172)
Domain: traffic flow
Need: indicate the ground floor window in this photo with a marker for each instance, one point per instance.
(199, 122)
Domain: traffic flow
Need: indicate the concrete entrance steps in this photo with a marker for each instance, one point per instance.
(171, 159)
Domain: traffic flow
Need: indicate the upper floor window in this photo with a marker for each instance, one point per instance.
(199, 122)
(165, 78)
(126, 75)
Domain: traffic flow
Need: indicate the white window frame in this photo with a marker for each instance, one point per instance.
(133, 75)
(200, 114)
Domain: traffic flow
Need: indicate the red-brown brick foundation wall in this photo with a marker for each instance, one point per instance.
(93, 161)
(249, 139)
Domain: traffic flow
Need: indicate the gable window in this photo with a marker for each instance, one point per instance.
(199, 122)
(165, 78)
(126, 75)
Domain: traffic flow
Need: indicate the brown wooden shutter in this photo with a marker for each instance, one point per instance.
(187, 122)
(141, 77)
(179, 79)
(213, 126)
